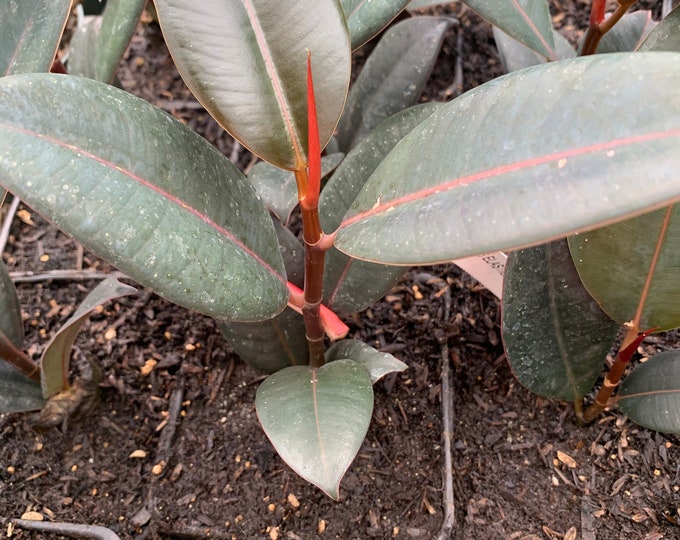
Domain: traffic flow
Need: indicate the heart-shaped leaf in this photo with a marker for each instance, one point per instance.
(666, 35)
(489, 183)
(378, 364)
(351, 285)
(366, 19)
(631, 268)
(393, 77)
(97, 46)
(246, 61)
(143, 191)
(279, 188)
(29, 34)
(317, 418)
(628, 33)
(54, 365)
(650, 394)
(527, 21)
(556, 337)
(270, 345)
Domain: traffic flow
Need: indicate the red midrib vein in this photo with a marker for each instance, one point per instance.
(276, 82)
(503, 169)
(165, 194)
(531, 25)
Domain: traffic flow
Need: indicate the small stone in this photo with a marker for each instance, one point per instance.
(138, 454)
(293, 501)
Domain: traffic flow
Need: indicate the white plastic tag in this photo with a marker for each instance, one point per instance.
(487, 269)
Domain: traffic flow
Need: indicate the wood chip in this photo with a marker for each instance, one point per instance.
(138, 454)
(293, 501)
(32, 516)
(566, 459)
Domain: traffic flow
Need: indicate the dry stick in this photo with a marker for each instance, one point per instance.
(168, 433)
(72, 530)
(69, 275)
(447, 432)
(455, 89)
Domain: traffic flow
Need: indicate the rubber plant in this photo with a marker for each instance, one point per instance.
(539, 154)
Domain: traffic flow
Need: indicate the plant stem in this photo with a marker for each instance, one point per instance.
(630, 343)
(18, 358)
(599, 26)
(309, 186)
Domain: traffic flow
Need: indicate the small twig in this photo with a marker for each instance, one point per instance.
(172, 104)
(235, 152)
(455, 89)
(7, 224)
(72, 530)
(168, 433)
(69, 275)
(447, 431)
(666, 8)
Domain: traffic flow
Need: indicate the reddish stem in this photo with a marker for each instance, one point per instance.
(18, 358)
(613, 377)
(599, 26)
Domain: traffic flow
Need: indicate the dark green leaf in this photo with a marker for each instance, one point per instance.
(666, 34)
(366, 19)
(628, 33)
(143, 191)
(29, 34)
(11, 324)
(516, 56)
(476, 176)
(650, 394)
(393, 77)
(527, 21)
(351, 285)
(269, 345)
(18, 393)
(631, 268)
(246, 62)
(317, 418)
(556, 337)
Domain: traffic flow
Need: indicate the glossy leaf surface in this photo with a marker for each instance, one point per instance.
(366, 18)
(527, 21)
(246, 61)
(54, 365)
(666, 35)
(94, 159)
(317, 418)
(631, 268)
(393, 77)
(29, 34)
(488, 185)
(627, 34)
(378, 364)
(270, 345)
(650, 394)
(279, 188)
(98, 46)
(351, 285)
(556, 336)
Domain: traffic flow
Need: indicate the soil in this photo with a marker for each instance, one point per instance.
(174, 449)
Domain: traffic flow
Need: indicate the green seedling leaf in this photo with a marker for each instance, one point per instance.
(29, 34)
(516, 56)
(556, 337)
(245, 61)
(351, 285)
(270, 345)
(94, 159)
(393, 77)
(666, 35)
(527, 21)
(378, 364)
(55, 360)
(317, 418)
(627, 34)
(631, 268)
(278, 187)
(365, 19)
(650, 394)
(98, 46)
(487, 186)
